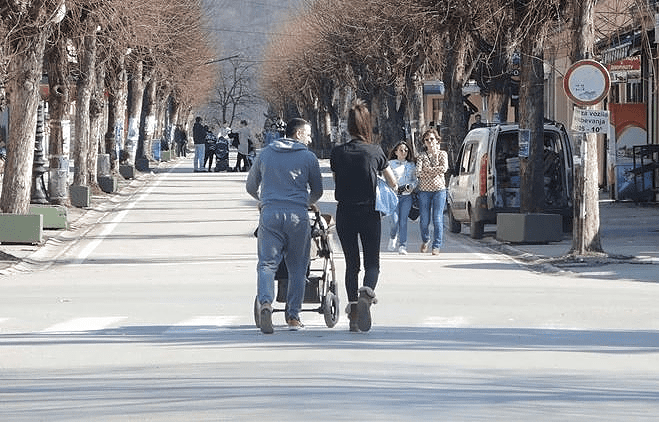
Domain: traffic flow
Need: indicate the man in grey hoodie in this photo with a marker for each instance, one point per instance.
(286, 179)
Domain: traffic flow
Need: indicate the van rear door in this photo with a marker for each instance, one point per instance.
(460, 185)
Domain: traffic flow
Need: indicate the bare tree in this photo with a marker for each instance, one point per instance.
(58, 101)
(532, 20)
(24, 28)
(234, 90)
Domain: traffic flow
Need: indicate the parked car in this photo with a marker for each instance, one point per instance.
(485, 179)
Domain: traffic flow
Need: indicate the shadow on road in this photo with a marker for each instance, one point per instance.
(382, 338)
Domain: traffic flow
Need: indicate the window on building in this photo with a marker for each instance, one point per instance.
(437, 111)
(635, 91)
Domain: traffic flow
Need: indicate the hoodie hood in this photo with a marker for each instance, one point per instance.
(287, 145)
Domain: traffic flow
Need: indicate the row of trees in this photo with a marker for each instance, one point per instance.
(380, 50)
(144, 62)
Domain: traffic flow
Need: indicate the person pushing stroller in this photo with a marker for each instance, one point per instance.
(286, 179)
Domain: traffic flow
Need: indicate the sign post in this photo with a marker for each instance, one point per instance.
(586, 83)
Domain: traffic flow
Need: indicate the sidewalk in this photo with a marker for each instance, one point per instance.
(629, 236)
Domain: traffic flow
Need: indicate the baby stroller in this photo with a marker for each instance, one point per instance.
(221, 152)
(320, 288)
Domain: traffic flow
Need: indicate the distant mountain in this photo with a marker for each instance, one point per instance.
(242, 27)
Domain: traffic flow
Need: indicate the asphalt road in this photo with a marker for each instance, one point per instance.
(148, 317)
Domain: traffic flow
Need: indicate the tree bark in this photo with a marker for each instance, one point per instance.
(58, 102)
(415, 113)
(136, 95)
(586, 233)
(454, 119)
(86, 84)
(118, 103)
(148, 126)
(531, 101)
(497, 107)
(390, 116)
(23, 105)
(97, 110)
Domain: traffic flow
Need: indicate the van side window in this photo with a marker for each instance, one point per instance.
(468, 161)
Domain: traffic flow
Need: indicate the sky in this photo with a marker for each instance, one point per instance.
(243, 26)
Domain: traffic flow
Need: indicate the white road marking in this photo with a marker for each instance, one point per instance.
(83, 324)
(203, 322)
(446, 322)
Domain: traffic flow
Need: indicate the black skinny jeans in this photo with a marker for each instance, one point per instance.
(356, 223)
(243, 158)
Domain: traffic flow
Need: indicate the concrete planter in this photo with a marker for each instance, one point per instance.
(108, 184)
(54, 216)
(142, 164)
(21, 228)
(529, 228)
(81, 196)
(127, 171)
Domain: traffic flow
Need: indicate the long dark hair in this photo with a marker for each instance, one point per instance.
(410, 153)
(359, 122)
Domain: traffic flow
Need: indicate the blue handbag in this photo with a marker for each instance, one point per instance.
(386, 200)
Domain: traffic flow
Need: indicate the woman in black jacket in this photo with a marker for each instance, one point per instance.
(356, 165)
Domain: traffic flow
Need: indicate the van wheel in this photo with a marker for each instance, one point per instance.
(476, 228)
(453, 225)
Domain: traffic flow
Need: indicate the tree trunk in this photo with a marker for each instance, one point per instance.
(23, 105)
(97, 111)
(60, 137)
(497, 107)
(118, 103)
(148, 120)
(164, 122)
(415, 113)
(531, 102)
(454, 118)
(136, 95)
(390, 115)
(86, 84)
(586, 233)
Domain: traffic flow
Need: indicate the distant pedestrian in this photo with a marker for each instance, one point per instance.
(181, 141)
(286, 179)
(402, 163)
(431, 166)
(209, 153)
(199, 138)
(244, 136)
(356, 165)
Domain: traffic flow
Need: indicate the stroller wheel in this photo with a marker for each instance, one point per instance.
(331, 309)
(257, 313)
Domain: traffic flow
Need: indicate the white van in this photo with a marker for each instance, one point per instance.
(486, 177)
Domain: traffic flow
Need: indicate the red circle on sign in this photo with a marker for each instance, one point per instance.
(587, 82)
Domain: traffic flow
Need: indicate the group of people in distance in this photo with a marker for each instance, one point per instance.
(286, 180)
(205, 142)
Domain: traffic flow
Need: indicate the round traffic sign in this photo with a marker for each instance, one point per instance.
(587, 82)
